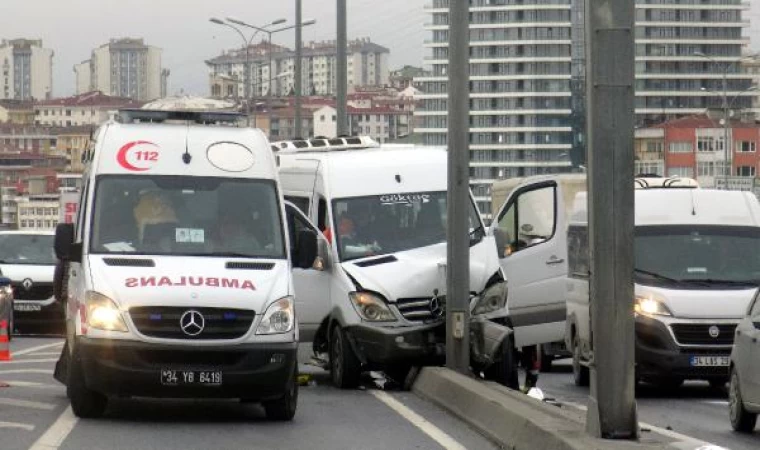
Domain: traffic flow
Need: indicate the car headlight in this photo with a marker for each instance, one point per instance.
(649, 306)
(492, 299)
(279, 318)
(6, 291)
(371, 307)
(102, 313)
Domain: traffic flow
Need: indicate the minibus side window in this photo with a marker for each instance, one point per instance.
(82, 213)
(530, 220)
(577, 252)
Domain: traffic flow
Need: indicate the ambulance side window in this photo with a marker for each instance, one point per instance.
(323, 222)
(296, 223)
(82, 213)
(301, 203)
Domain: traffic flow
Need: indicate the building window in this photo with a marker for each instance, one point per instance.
(322, 118)
(681, 147)
(706, 144)
(745, 171)
(705, 168)
(746, 146)
(654, 147)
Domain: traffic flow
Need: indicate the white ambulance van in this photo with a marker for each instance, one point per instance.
(379, 301)
(696, 271)
(179, 267)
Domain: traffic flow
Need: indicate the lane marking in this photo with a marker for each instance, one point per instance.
(42, 371)
(26, 404)
(716, 402)
(18, 383)
(697, 443)
(57, 433)
(418, 421)
(31, 361)
(45, 354)
(34, 349)
(23, 426)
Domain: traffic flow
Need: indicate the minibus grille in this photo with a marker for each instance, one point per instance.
(37, 291)
(206, 323)
(422, 309)
(699, 334)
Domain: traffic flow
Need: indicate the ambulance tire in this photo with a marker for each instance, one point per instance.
(504, 371)
(284, 409)
(345, 367)
(86, 403)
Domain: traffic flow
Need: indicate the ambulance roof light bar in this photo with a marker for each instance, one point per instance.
(321, 144)
(199, 117)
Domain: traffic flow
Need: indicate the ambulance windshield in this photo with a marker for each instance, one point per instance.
(198, 216)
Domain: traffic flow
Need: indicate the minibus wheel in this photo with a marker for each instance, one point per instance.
(85, 402)
(345, 367)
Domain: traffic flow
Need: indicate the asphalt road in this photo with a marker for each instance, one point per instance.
(694, 410)
(34, 414)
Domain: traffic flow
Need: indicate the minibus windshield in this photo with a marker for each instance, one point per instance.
(186, 216)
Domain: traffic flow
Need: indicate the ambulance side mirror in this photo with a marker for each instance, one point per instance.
(307, 249)
(65, 248)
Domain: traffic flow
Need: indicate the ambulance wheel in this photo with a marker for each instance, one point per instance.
(284, 409)
(345, 367)
(85, 402)
(581, 375)
(504, 371)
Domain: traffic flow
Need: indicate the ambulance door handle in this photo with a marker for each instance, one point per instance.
(554, 261)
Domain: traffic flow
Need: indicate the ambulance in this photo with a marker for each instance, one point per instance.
(178, 267)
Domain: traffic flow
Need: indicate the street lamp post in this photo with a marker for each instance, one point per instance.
(247, 71)
(269, 51)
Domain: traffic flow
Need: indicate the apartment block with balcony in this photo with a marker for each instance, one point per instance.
(26, 70)
(520, 98)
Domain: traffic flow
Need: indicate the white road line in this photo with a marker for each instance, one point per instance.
(18, 383)
(30, 361)
(697, 443)
(42, 371)
(418, 421)
(23, 426)
(34, 349)
(57, 433)
(26, 404)
(716, 402)
(58, 353)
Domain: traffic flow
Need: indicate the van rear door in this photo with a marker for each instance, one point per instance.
(530, 231)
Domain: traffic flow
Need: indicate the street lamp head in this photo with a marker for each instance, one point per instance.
(216, 21)
(236, 22)
(278, 22)
(308, 22)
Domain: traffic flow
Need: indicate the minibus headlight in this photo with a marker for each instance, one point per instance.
(371, 307)
(6, 291)
(279, 317)
(102, 313)
(650, 306)
(492, 299)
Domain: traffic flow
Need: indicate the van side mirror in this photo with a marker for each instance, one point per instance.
(307, 249)
(65, 248)
(502, 242)
(5, 281)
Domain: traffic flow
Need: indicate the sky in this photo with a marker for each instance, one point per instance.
(73, 28)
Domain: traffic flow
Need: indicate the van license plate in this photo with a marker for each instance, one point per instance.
(26, 307)
(709, 361)
(191, 377)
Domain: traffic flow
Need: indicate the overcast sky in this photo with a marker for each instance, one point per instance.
(74, 27)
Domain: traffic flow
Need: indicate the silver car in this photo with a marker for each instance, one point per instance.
(744, 394)
(6, 304)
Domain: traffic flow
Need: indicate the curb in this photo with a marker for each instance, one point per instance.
(514, 420)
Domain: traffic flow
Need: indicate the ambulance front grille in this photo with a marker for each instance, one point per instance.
(167, 322)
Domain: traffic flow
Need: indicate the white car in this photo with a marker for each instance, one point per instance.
(27, 258)
(744, 394)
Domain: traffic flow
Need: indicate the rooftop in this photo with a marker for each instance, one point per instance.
(92, 99)
(310, 49)
(703, 121)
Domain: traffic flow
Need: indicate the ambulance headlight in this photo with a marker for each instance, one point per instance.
(279, 317)
(371, 307)
(650, 306)
(6, 291)
(492, 299)
(102, 313)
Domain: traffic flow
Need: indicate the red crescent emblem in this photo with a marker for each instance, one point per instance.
(121, 156)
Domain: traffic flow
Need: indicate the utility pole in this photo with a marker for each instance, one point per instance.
(727, 166)
(299, 72)
(342, 69)
(610, 129)
(458, 205)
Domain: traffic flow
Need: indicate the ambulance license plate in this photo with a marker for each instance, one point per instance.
(710, 361)
(191, 377)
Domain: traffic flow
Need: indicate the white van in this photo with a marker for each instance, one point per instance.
(179, 266)
(380, 300)
(696, 271)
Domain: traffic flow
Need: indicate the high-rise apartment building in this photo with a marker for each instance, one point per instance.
(26, 70)
(124, 68)
(520, 97)
(367, 66)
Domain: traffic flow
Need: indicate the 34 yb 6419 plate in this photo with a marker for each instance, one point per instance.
(191, 377)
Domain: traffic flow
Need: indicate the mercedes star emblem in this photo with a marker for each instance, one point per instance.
(437, 306)
(714, 332)
(27, 283)
(192, 323)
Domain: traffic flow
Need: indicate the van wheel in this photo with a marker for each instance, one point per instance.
(345, 367)
(85, 402)
(741, 419)
(504, 371)
(547, 360)
(580, 372)
(284, 409)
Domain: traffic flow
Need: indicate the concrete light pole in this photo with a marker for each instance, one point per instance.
(299, 69)
(342, 69)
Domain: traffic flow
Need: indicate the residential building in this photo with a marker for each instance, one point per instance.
(91, 108)
(694, 147)
(26, 70)
(404, 77)
(71, 143)
(37, 212)
(17, 112)
(367, 66)
(520, 89)
(380, 123)
(283, 122)
(124, 68)
(751, 67)
(25, 138)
